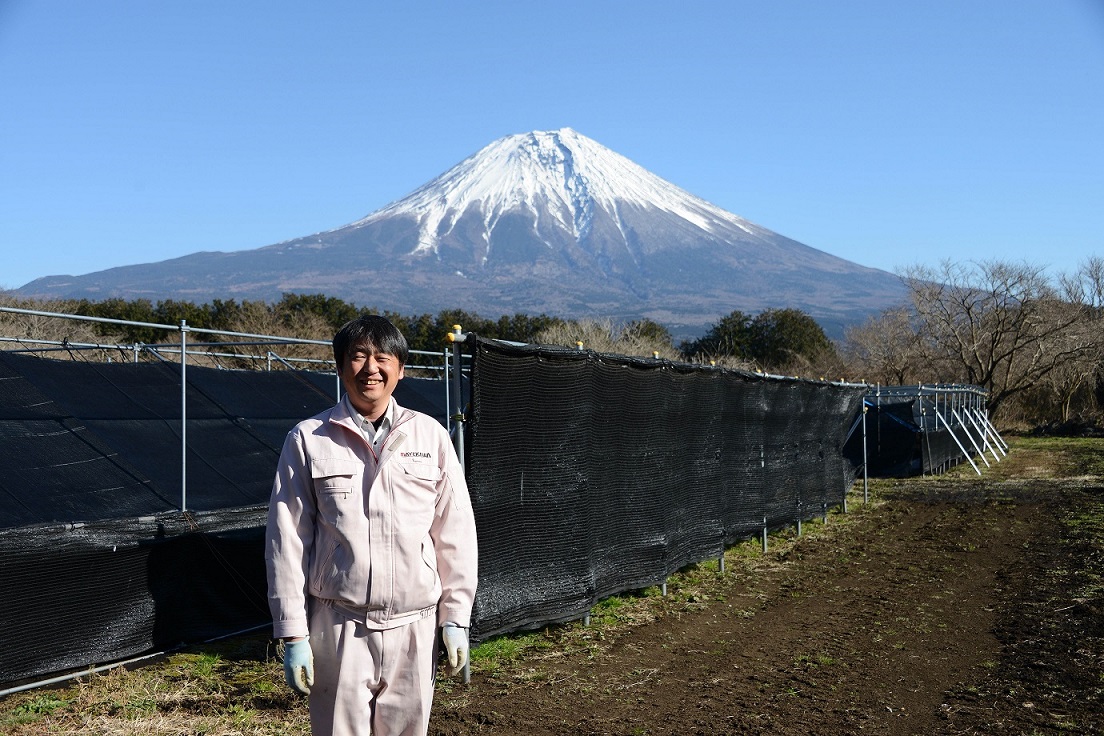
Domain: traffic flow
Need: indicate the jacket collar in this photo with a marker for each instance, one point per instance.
(344, 414)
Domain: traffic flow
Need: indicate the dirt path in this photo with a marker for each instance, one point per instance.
(953, 605)
(914, 617)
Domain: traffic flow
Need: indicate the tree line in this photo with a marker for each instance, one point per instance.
(775, 338)
(1034, 342)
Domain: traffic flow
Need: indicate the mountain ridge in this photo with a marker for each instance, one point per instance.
(541, 222)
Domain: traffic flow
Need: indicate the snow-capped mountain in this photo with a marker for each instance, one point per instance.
(544, 222)
(564, 181)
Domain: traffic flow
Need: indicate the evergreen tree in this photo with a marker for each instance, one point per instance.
(730, 337)
(782, 338)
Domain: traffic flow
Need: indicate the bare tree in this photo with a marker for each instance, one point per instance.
(35, 330)
(1002, 326)
(259, 318)
(886, 349)
(1072, 384)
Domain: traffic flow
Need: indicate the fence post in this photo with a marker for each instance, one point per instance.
(183, 415)
(764, 535)
(446, 377)
(866, 476)
(456, 337)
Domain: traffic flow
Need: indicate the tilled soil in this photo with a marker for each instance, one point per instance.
(947, 608)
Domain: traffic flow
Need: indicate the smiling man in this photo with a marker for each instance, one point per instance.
(370, 548)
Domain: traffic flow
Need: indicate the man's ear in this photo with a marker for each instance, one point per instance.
(402, 372)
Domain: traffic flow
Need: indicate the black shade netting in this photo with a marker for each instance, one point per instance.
(83, 594)
(892, 440)
(914, 430)
(103, 440)
(96, 560)
(593, 474)
(939, 449)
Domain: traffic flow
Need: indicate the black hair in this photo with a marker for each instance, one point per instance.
(370, 331)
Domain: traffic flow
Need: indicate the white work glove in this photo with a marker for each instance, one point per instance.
(456, 647)
(299, 665)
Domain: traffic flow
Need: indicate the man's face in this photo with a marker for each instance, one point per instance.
(370, 377)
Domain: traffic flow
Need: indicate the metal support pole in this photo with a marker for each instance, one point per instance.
(878, 426)
(721, 564)
(445, 355)
(866, 477)
(663, 588)
(764, 535)
(991, 432)
(923, 431)
(183, 415)
(456, 337)
(1000, 440)
(982, 438)
(960, 447)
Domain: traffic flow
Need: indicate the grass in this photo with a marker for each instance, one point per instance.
(237, 686)
(222, 689)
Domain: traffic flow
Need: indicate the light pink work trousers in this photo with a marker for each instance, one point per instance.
(371, 682)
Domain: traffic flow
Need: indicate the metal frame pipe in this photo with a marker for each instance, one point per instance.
(183, 415)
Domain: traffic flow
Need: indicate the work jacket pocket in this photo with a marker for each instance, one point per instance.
(422, 471)
(335, 485)
(414, 487)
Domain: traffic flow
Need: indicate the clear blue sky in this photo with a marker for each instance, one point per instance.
(887, 133)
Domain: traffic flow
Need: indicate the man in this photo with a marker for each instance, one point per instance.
(370, 548)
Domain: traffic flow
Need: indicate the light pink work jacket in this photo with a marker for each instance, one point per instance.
(394, 546)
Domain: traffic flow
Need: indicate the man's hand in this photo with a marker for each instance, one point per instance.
(299, 665)
(456, 647)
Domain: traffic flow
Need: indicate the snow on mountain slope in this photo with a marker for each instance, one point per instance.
(558, 172)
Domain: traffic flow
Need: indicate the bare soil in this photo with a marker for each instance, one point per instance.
(949, 607)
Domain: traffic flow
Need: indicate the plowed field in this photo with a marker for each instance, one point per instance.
(947, 606)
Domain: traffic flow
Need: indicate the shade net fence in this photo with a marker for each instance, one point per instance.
(86, 593)
(893, 440)
(920, 430)
(97, 560)
(592, 474)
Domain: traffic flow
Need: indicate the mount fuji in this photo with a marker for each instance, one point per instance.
(543, 222)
